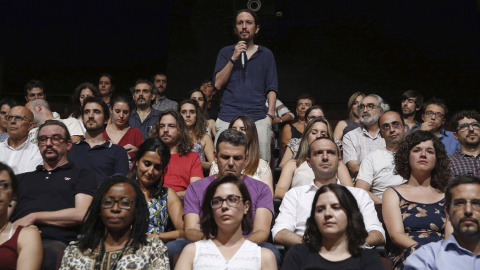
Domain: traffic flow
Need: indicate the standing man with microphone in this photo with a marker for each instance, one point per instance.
(248, 75)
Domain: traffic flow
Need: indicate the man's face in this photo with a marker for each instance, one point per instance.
(4, 109)
(53, 134)
(160, 83)
(464, 212)
(21, 122)
(245, 27)
(369, 111)
(35, 93)
(409, 107)
(230, 159)
(93, 117)
(434, 117)
(468, 135)
(143, 95)
(324, 159)
(168, 129)
(391, 128)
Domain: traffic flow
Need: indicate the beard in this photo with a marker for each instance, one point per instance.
(368, 121)
(408, 113)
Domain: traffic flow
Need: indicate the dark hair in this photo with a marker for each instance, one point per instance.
(139, 81)
(233, 137)
(399, 115)
(322, 138)
(53, 122)
(158, 146)
(10, 102)
(184, 141)
(440, 175)
(256, 19)
(207, 221)
(99, 101)
(472, 114)
(201, 123)
(306, 96)
(93, 229)
(350, 103)
(121, 98)
(355, 231)
(204, 108)
(76, 96)
(459, 180)
(304, 147)
(109, 76)
(314, 107)
(13, 177)
(32, 84)
(157, 74)
(253, 145)
(413, 94)
(436, 101)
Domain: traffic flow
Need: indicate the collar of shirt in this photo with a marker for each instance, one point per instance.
(451, 244)
(66, 166)
(20, 147)
(443, 133)
(255, 55)
(365, 132)
(106, 144)
(313, 187)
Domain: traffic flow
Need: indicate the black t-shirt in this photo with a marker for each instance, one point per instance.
(299, 257)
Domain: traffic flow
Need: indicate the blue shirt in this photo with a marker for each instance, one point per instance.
(146, 125)
(451, 144)
(444, 254)
(106, 159)
(247, 89)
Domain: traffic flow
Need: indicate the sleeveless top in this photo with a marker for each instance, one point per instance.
(158, 213)
(350, 126)
(9, 251)
(208, 256)
(197, 148)
(303, 175)
(295, 132)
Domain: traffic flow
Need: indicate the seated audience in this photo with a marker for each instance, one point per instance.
(297, 172)
(35, 89)
(412, 102)
(200, 98)
(114, 235)
(353, 121)
(255, 167)
(226, 216)
(213, 98)
(282, 113)
(143, 116)
(20, 247)
(461, 249)
(295, 129)
(5, 105)
(161, 102)
(106, 85)
(414, 212)
(83, 91)
(335, 231)
(196, 126)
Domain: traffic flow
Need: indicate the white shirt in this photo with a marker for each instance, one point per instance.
(358, 143)
(24, 158)
(297, 204)
(208, 256)
(74, 126)
(377, 169)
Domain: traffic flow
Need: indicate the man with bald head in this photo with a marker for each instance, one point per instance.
(17, 151)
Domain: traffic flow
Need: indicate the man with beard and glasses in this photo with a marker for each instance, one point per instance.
(94, 152)
(56, 196)
(143, 116)
(462, 249)
(466, 161)
(412, 102)
(376, 172)
(365, 139)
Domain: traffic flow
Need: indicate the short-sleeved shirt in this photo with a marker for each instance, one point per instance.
(358, 143)
(180, 169)
(106, 159)
(463, 164)
(259, 193)
(147, 124)
(451, 144)
(164, 104)
(43, 190)
(247, 89)
(24, 158)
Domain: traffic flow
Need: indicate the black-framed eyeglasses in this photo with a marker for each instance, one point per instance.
(55, 139)
(369, 106)
(124, 203)
(232, 201)
(394, 124)
(5, 186)
(9, 117)
(466, 126)
(437, 115)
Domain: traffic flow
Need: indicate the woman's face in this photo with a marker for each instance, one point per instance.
(355, 105)
(314, 113)
(319, 129)
(149, 169)
(208, 90)
(105, 86)
(302, 107)
(84, 94)
(422, 157)
(6, 192)
(330, 217)
(117, 219)
(238, 125)
(120, 114)
(227, 215)
(189, 114)
(197, 96)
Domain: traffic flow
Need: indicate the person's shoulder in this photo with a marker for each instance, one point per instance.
(357, 192)
(249, 181)
(154, 242)
(204, 182)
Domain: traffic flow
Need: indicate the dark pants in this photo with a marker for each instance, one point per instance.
(51, 252)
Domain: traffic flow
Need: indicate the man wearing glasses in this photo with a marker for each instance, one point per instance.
(433, 119)
(143, 116)
(365, 139)
(56, 195)
(466, 161)
(17, 151)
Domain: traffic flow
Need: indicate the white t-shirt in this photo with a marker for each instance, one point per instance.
(24, 158)
(208, 256)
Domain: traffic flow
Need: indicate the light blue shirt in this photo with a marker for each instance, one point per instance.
(444, 254)
(451, 144)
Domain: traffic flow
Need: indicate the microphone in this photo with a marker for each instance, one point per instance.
(243, 56)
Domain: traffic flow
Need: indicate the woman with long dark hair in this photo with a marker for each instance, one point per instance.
(201, 99)
(83, 91)
(106, 85)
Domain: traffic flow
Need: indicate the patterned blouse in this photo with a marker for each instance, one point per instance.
(158, 213)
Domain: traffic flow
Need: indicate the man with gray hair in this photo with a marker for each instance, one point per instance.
(365, 139)
(143, 116)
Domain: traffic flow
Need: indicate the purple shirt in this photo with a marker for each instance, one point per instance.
(259, 193)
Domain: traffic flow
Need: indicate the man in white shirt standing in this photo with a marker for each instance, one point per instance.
(323, 158)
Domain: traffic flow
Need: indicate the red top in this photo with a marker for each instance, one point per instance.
(9, 252)
(181, 169)
(133, 136)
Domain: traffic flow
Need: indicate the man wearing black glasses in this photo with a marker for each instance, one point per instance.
(56, 196)
(466, 161)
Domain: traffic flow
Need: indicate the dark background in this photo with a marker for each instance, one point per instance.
(329, 49)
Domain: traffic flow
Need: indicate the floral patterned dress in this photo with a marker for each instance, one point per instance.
(423, 222)
(158, 213)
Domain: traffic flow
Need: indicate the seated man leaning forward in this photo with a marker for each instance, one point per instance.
(323, 157)
(231, 154)
(462, 249)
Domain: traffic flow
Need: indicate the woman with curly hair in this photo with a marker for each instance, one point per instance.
(414, 211)
(334, 234)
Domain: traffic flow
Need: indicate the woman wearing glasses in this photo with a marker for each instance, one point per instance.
(20, 247)
(115, 232)
(226, 216)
